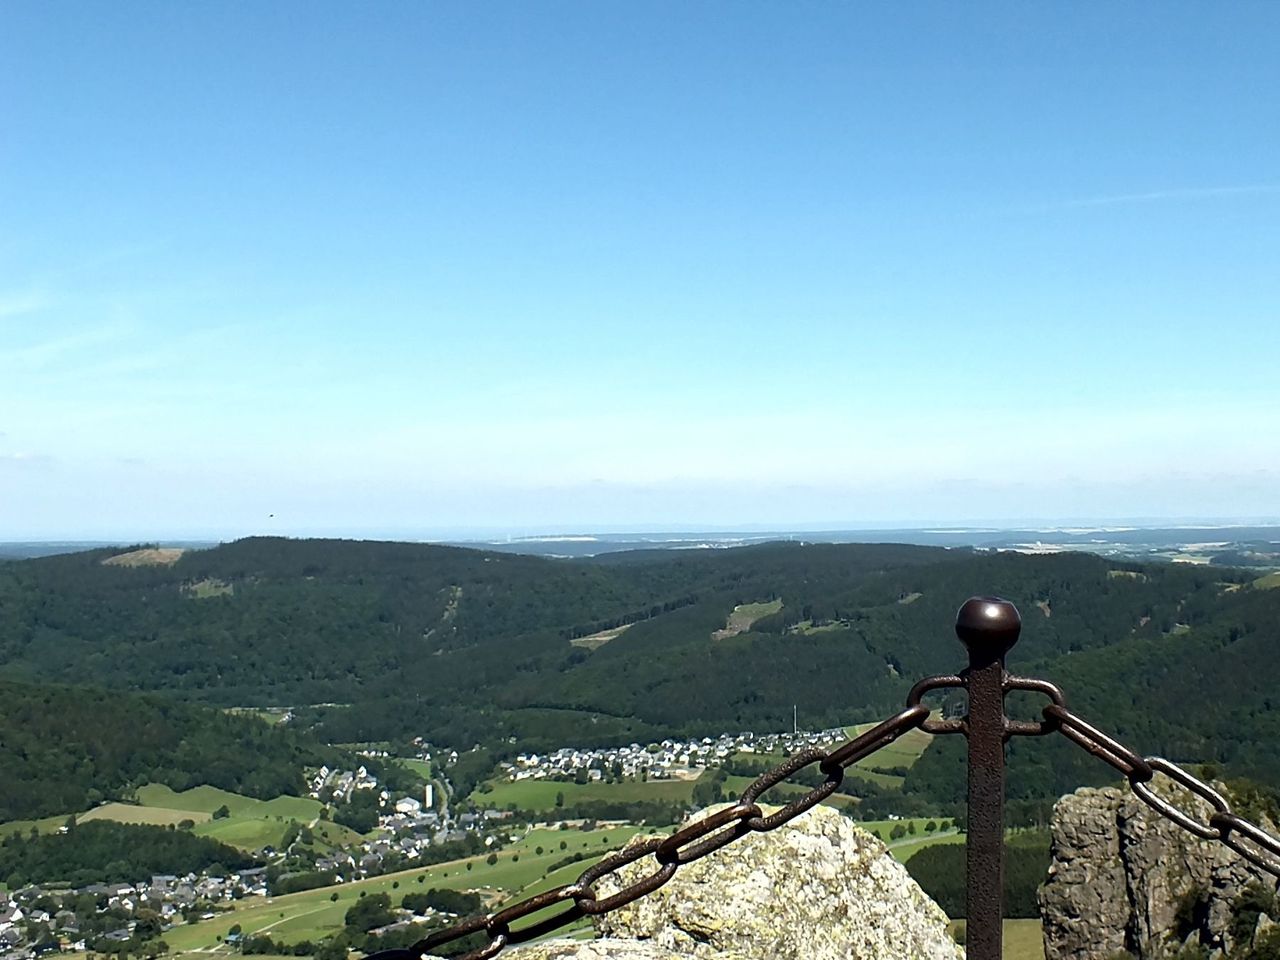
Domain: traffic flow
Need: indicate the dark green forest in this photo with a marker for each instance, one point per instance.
(940, 871)
(102, 851)
(68, 748)
(469, 648)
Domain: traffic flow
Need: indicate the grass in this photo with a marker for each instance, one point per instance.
(267, 714)
(204, 589)
(903, 752)
(888, 780)
(131, 813)
(1269, 582)
(541, 794)
(207, 799)
(335, 834)
(1022, 939)
(44, 825)
(312, 915)
(809, 627)
(247, 833)
(252, 824)
(904, 850)
(421, 767)
(784, 792)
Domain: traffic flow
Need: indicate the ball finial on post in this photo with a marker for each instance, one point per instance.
(988, 625)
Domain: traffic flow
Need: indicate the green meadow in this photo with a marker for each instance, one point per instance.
(315, 914)
(541, 794)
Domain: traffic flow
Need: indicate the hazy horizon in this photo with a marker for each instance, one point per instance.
(481, 534)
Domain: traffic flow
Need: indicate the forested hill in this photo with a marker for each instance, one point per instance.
(469, 647)
(65, 749)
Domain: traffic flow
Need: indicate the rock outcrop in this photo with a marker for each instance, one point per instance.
(818, 888)
(1123, 878)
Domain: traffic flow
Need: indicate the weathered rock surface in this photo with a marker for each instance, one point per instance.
(1125, 878)
(818, 888)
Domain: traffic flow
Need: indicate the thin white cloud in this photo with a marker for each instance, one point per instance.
(44, 352)
(1161, 196)
(21, 304)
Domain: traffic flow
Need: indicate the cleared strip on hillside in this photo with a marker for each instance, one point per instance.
(743, 616)
(146, 557)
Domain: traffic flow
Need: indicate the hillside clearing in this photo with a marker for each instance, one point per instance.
(743, 616)
(146, 557)
(597, 640)
(212, 587)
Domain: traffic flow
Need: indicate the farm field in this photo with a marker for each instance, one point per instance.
(787, 791)
(208, 799)
(312, 915)
(541, 794)
(247, 833)
(253, 823)
(887, 780)
(904, 850)
(132, 813)
(903, 752)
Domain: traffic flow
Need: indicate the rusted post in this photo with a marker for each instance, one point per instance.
(988, 626)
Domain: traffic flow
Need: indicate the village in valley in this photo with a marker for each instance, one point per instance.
(405, 832)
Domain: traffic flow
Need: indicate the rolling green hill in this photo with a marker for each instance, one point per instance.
(468, 647)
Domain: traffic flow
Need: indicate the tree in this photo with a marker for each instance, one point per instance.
(559, 798)
(369, 912)
(222, 812)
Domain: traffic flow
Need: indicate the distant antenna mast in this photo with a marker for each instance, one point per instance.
(795, 726)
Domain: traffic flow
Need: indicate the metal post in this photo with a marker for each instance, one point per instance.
(988, 626)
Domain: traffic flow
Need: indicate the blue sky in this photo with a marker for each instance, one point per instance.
(414, 268)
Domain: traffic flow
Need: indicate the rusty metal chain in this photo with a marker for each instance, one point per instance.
(690, 843)
(708, 834)
(1243, 836)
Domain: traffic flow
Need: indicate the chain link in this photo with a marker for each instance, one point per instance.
(690, 843)
(721, 828)
(1243, 836)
